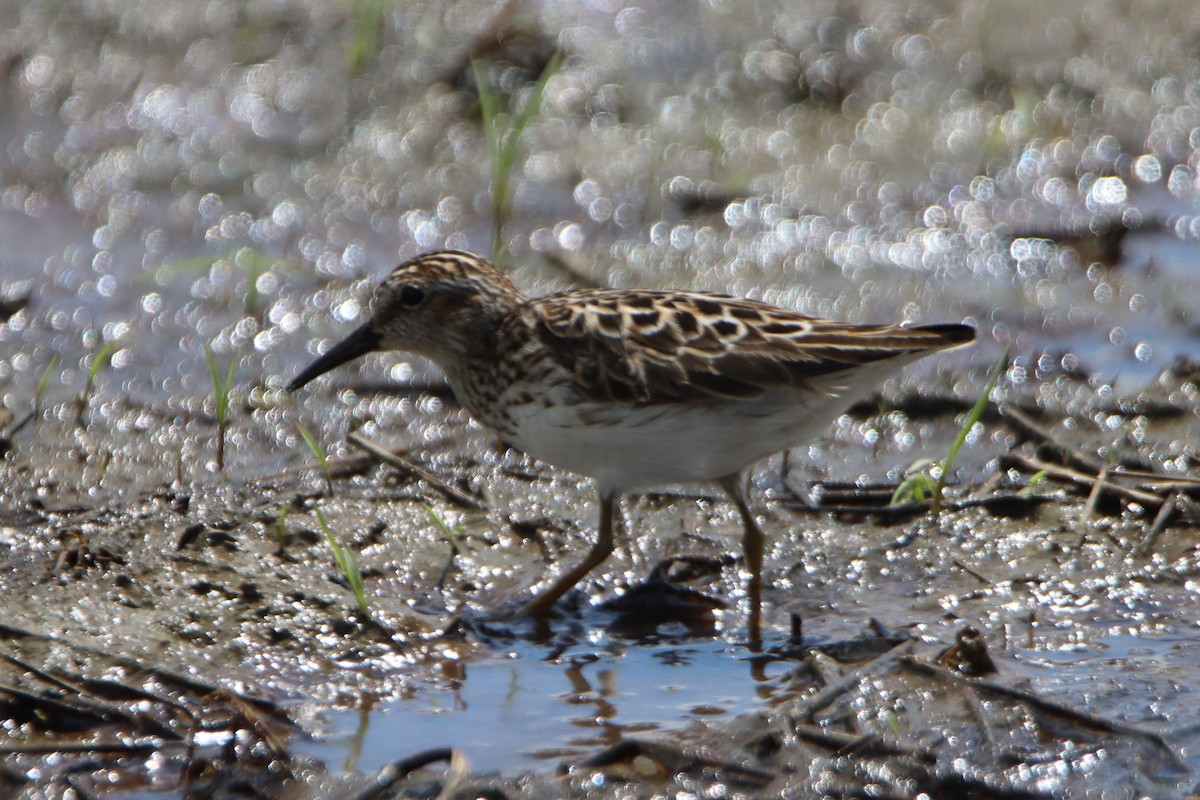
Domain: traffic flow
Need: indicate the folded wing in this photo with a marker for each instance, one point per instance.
(650, 348)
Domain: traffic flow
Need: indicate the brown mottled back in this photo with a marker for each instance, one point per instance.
(648, 347)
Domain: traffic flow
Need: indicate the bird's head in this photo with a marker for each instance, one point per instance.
(441, 305)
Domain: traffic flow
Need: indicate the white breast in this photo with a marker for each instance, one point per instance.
(626, 447)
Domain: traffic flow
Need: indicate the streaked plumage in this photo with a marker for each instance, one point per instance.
(632, 388)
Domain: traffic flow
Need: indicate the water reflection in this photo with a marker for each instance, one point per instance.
(529, 708)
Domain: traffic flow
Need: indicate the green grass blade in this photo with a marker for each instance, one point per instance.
(489, 112)
(452, 533)
(970, 422)
(534, 105)
(228, 381)
(99, 360)
(221, 388)
(346, 563)
(503, 138)
(366, 42)
(489, 108)
(1035, 480)
(318, 453)
(213, 372)
(43, 383)
(254, 269)
(313, 447)
(225, 387)
(221, 385)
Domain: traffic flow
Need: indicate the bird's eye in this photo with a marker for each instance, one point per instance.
(412, 296)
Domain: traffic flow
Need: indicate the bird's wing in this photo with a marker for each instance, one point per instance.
(649, 348)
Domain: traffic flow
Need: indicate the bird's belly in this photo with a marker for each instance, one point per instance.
(628, 447)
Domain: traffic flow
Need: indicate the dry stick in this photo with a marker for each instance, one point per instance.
(260, 724)
(563, 264)
(988, 488)
(974, 574)
(98, 705)
(46, 748)
(49, 704)
(89, 710)
(866, 745)
(806, 707)
(410, 468)
(1027, 426)
(1161, 520)
(675, 759)
(1011, 502)
(1093, 500)
(1030, 464)
(1041, 704)
(1158, 479)
(175, 679)
(397, 771)
(1030, 428)
(339, 468)
(979, 713)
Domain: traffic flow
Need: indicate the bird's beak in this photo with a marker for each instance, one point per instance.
(362, 341)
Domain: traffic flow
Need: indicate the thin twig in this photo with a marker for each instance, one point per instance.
(397, 771)
(128, 748)
(999, 503)
(1093, 501)
(863, 745)
(168, 677)
(976, 710)
(409, 467)
(806, 707)
(83, 699)
(1162, 519)
(1030, 464)
(1029, 428)
(1041, 704)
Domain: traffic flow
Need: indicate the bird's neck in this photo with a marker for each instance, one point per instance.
(466, 345)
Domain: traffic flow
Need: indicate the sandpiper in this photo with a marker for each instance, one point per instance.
(633, 388)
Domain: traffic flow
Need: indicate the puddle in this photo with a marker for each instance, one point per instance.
(530, 708)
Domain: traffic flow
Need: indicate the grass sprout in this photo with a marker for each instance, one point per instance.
(968, 424)
(1035, 481)
(252, 259)
(367, 39)
(503, 133)
(99, 359)
(256, 262)
(318, 453)
(39, 393)
(452, 533)
(221, 390)
(346, 563)
(918, 485)
(926, 479)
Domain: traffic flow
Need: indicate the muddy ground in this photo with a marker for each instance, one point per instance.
(1018, 644)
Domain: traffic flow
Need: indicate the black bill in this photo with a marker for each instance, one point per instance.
(362, 341)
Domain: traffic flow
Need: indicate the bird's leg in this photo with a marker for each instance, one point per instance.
(753, 544)
(600, 551)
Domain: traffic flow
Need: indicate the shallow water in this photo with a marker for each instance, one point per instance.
(530, 709)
